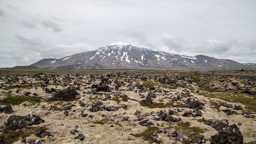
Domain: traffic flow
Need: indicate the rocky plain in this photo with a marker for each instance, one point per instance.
(129, 107)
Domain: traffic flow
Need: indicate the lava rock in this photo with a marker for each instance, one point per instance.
(7, 109)
(194, 104)
(148, 101)
(40, 141)
(228, 135)
(67, 94)
(229, 112)
(15, 122)
(197, 139)
(102, 87)
(81, 137)
(97, 107)
(42, 133)
(112, 108)
(146, 123)
(238, 107)
(217, 124)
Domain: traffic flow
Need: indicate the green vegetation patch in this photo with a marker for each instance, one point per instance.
(15, 100)
(248, 100)
(9, 137)
(149, 84)
(162, 105)
(18, 86)
(146, 135)
(187, 95)
(124, 99)
(184, 126)
(82, 104)
(104, 121)
(101, 122)
(116, 99)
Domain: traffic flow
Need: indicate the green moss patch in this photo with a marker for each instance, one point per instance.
(248, 100)
(18, 87)
(116, 99)
(146, 134)
(9, 137)
(15, 100)
(162, 105)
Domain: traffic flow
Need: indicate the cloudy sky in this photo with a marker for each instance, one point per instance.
(34, 29)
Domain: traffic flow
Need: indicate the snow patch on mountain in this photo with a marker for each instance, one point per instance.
(66, 58)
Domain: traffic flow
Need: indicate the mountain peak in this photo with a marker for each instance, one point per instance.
(119, 44)
(122, 45)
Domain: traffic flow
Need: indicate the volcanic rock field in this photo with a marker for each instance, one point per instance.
(129, 107)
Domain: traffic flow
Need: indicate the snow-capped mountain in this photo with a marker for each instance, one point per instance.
(127, 56)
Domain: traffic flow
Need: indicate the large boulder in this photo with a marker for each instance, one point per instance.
(228, 135)
(15, 122)
(194, 104)
(67, 94)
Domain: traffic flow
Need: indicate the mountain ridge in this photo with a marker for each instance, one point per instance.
(128, 56)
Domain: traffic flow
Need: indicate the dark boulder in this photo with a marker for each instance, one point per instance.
(228, 135)
(97, 107)
(112, 108)
(42, 133)
(229, 112)
(67, 94)
(146, 123)
(7, 109)
(197, 139)
(148, 101)
(238, 107)
(81, 137)
(102, 87)
(15, 122)
(194, 104)
(217, 124)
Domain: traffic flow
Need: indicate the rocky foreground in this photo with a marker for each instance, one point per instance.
(128, 107)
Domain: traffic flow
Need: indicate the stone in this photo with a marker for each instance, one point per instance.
(228, 135)
(81, 137)
(42, 133)
(15, 122)
(6, 109)
(67, 94)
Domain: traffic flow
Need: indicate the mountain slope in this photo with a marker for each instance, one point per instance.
(127, 56)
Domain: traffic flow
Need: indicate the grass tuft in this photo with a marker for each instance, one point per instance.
(161, 105)
(146, 135)
(18, 86)
(185, 128)
(116, 99)
(9, 137)
(248, 100)
(16, 100)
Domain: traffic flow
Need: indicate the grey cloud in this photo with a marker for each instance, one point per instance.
(51, 25)
(29, 25)
(30, 50)
(30, 43)
(13, 7)
(139, 37)
(2, 13)
(232, 49)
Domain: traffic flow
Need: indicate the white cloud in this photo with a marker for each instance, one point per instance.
(225, 29)
(223, 49)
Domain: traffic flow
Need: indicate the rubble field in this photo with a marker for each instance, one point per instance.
(128, 107)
